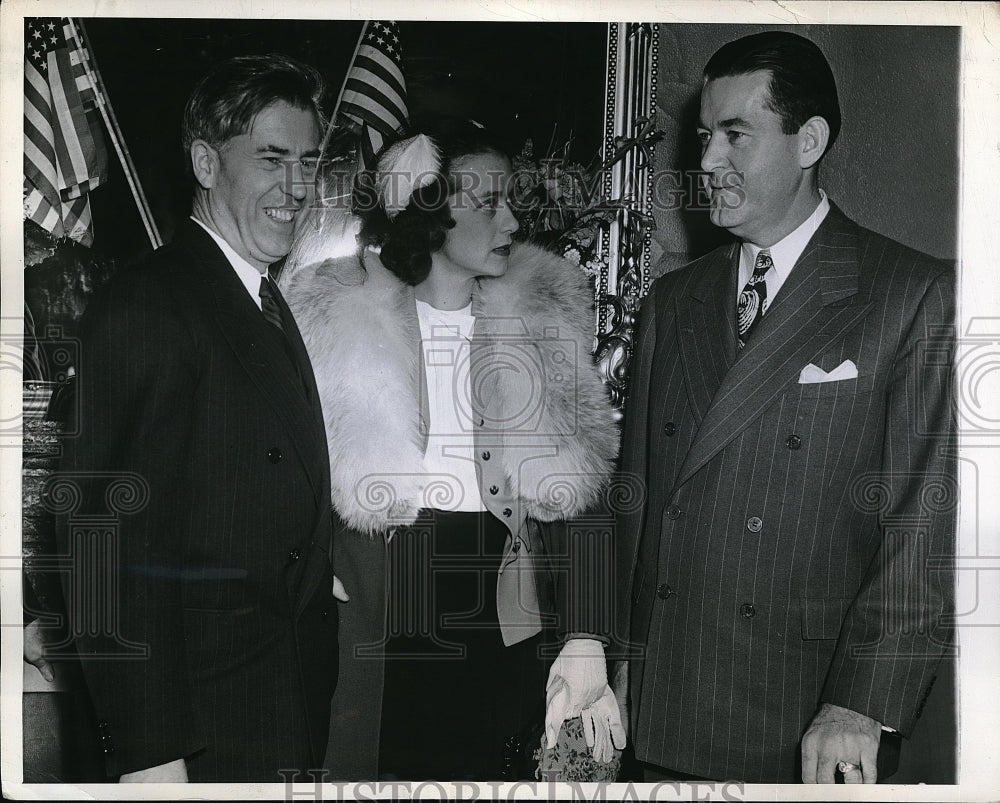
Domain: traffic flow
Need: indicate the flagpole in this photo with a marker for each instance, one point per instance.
(343, 88)
(111, 122)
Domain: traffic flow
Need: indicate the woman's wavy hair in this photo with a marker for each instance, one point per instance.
(409, 238)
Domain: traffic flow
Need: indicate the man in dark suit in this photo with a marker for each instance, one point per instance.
(787, 580)
(203, 610)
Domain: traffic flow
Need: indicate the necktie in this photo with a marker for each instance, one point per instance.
(750, 307)
(272, 314)
(269, 306)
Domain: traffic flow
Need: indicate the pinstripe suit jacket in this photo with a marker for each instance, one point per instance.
(222, 648)
(795, 542)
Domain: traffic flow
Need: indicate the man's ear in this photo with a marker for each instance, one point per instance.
(813, 138)
(205, 163)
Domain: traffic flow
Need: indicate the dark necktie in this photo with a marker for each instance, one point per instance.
(272, 314)
(750, 306)
(269, 305)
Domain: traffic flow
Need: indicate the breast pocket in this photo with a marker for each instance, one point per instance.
(841, 388)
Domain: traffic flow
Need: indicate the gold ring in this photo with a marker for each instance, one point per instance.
(845, 767)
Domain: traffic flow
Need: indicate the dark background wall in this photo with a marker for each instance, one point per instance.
(894, 167)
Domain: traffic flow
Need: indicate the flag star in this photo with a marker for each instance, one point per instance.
(54, 40)
(390, 48)
(51, 26)
(36, 34)
(381, 40)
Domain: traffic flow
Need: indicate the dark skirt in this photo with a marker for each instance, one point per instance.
(454, 695)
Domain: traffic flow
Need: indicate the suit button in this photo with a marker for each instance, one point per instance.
(754, 524)
(669, 429)
(793, 442)
(663, 591)
(494, 490)
(486, 455)
(747, 611)
(508, 512)
(294, 555)
(674, 512)
(102, 724)
(108, 750)
(274, 454)
(326, 613)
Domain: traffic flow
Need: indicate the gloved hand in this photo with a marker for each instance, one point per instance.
(602, 727)
(578, 686)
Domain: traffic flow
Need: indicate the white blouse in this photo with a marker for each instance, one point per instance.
(449, 461)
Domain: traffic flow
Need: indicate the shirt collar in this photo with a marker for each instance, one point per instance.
(786, 252)
(248, 274)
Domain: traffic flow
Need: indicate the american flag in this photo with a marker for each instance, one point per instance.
(375, 91)
(64, 153)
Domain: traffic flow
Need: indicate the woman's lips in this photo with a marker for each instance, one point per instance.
(503, 250)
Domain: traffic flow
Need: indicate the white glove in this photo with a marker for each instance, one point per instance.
(578, 681)
(602, 727)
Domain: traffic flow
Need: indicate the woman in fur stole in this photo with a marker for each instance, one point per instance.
(466, 422)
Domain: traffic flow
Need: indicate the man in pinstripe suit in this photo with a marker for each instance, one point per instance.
(218, 658)
(786, 586)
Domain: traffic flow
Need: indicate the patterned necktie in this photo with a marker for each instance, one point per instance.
(750, 307)
(269, 306)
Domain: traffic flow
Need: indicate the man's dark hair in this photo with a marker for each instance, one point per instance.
(225, 102)
(408, 240)
(802, 83)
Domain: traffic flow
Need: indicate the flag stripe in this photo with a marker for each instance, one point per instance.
(78, 60)
(371, 86)
(37, 82)
(385, 119)
(360, 114)
(78, 222)
(69, 148)
(375, 90)
(380, 66)
(79, 189)
(41, 170)
(39, 128)
(64, 153)
(378, 104)
(39, 210)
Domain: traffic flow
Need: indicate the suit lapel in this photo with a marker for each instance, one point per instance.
(817, 304)
(258, 350)
(701, 317)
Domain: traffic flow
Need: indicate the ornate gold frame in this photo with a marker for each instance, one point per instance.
(630, 103)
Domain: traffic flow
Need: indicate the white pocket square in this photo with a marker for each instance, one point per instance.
(812, 373)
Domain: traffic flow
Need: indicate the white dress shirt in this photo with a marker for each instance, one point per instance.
(248, 274)
(784, 253)
(446, 337)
